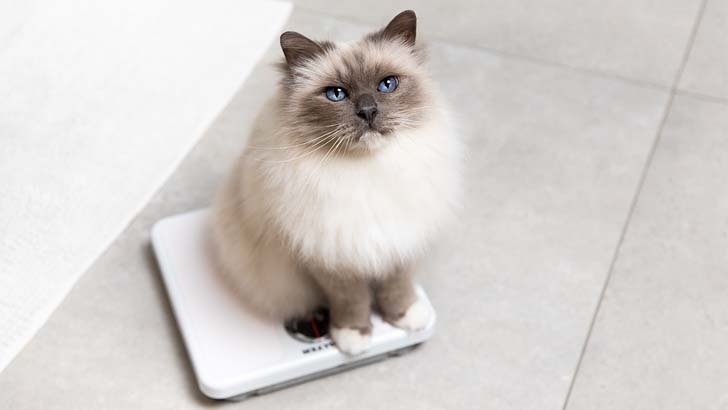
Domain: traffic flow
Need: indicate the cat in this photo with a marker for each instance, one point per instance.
(351, 171)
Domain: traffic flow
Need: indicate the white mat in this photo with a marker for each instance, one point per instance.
(99, 102)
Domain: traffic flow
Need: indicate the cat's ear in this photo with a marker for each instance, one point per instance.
(402, 27)
(298, 48)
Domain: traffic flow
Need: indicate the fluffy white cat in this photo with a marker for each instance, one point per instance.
(351, 171)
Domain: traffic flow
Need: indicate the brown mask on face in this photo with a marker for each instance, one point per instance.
(355, 94)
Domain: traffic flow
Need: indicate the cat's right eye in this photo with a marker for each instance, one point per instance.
(335, 93)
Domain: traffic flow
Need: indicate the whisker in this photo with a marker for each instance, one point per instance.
(304, 143)
(309, 152)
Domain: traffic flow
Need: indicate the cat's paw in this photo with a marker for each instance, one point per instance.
(416, 317)
(351, 341)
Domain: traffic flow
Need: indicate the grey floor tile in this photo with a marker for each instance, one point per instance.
(707, 69)
(639, 39)
(659, 342)
(555, 158)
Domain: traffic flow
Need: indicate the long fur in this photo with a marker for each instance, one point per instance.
(312, 192)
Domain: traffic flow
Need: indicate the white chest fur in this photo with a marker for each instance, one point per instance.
(371, 213)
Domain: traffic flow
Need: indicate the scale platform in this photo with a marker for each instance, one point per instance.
(236, 354)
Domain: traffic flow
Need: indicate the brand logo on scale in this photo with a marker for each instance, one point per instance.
(317, 348)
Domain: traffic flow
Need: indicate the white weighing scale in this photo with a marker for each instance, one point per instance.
(236, 354)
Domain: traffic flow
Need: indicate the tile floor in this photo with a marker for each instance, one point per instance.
(590, 268)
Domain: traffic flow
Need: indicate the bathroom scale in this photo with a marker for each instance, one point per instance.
(236, 354)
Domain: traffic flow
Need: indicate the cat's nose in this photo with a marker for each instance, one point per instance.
(366, 108)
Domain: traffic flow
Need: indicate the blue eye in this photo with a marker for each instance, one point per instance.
(335, 93)
(388, 84)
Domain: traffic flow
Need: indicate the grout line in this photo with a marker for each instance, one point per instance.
(504, 53)
(633, 205)
(701, 96)
(582, 70)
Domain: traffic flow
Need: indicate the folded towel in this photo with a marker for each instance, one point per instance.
(99, 101)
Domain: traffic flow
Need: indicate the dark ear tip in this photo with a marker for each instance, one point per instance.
(409, 14)
(407, 17)
(288, 35)
(402, 26)
(297, 47)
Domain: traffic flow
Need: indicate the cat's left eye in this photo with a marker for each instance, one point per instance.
(388, 84)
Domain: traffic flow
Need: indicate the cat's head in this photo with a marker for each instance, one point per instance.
(358, 95)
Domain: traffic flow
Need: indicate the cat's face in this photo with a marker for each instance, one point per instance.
(355, 96)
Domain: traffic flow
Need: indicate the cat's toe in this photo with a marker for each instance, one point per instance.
(351, 341)
(416, 317)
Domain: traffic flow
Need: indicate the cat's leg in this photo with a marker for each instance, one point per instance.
(349, 300)
(398, 303)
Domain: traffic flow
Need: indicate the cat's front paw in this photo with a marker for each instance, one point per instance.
(351, 341)
(416, 317)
